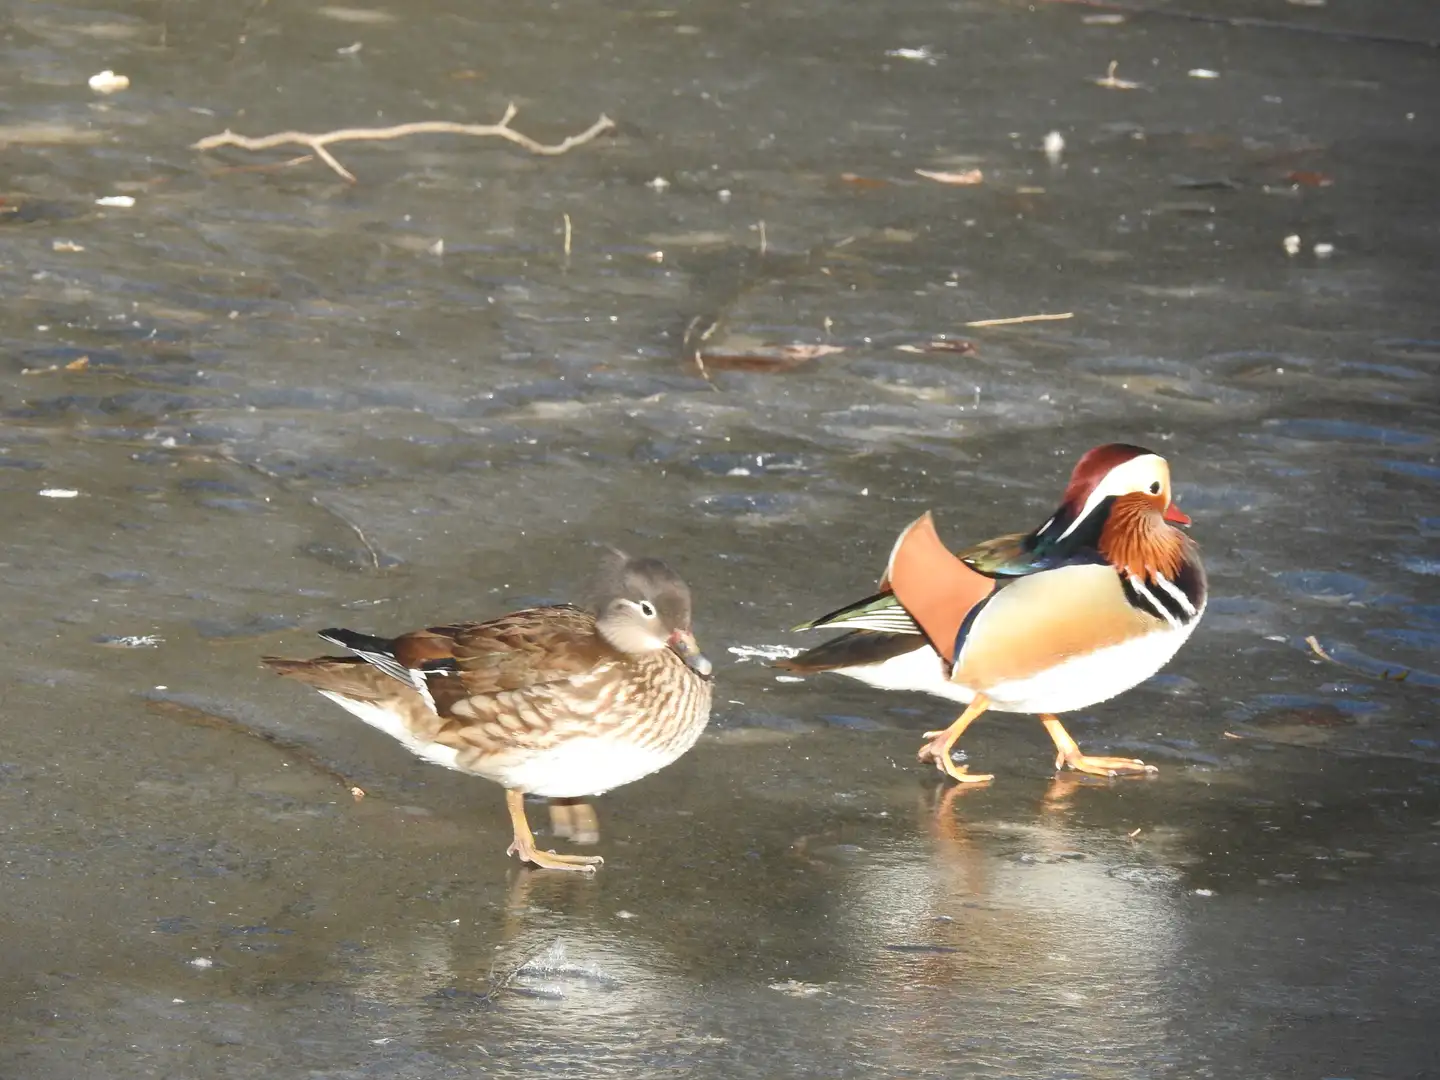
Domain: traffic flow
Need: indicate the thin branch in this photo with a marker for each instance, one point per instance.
(697, 332)
(318, 141)
(354, 527)
(225, 455)
(1015, 320)
(189, 714)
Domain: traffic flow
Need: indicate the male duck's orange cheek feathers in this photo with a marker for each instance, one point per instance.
(937, 589)
(1134, 540)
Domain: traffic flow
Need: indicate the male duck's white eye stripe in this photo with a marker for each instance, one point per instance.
(1121, 480)
(1177, 593)
(1143, 591)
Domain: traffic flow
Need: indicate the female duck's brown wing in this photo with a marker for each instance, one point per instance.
(348, 676)
(514, 652)
(519, 683)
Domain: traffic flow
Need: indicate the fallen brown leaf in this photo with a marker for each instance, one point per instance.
(785, 358)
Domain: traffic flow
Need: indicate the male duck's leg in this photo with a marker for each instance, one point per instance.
(1068, 755)
(941, 742)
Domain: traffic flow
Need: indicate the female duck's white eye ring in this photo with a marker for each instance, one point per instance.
(647, 609)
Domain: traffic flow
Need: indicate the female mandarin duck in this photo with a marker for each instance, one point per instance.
(553, 701)
(1093, 602)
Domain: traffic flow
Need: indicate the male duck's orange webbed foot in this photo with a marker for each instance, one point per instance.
(942, 742)
(1068, 756)
(524, 843)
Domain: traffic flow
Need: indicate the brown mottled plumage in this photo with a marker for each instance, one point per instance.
(554, 701)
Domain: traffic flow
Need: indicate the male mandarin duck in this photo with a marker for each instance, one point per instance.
(552, 701)
(1090, 604)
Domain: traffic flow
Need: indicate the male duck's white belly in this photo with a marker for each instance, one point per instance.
(920, 669)
(1076, 683)
(1090, 678)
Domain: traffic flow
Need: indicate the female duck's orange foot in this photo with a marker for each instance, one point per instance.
(523, 843)
(548, 860)
(1068, 755)
(574, 820)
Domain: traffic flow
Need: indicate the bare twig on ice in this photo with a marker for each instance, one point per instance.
(698, 331)
(1016, 320)
(318, 141)
(201, 718)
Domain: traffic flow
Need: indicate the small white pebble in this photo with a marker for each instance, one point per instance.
(1054, 147)
(65, 245)
(116, 200)
(58, 493)
(1204, 892)
(658, 184)
(351, 50)
(924, 54)
(1292, 245)
(107, 82)
(177, 1001)
(1324, 251)
(202, 962)
(437, 248)
(1203, 73)
(724, 195)
(622, 914)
